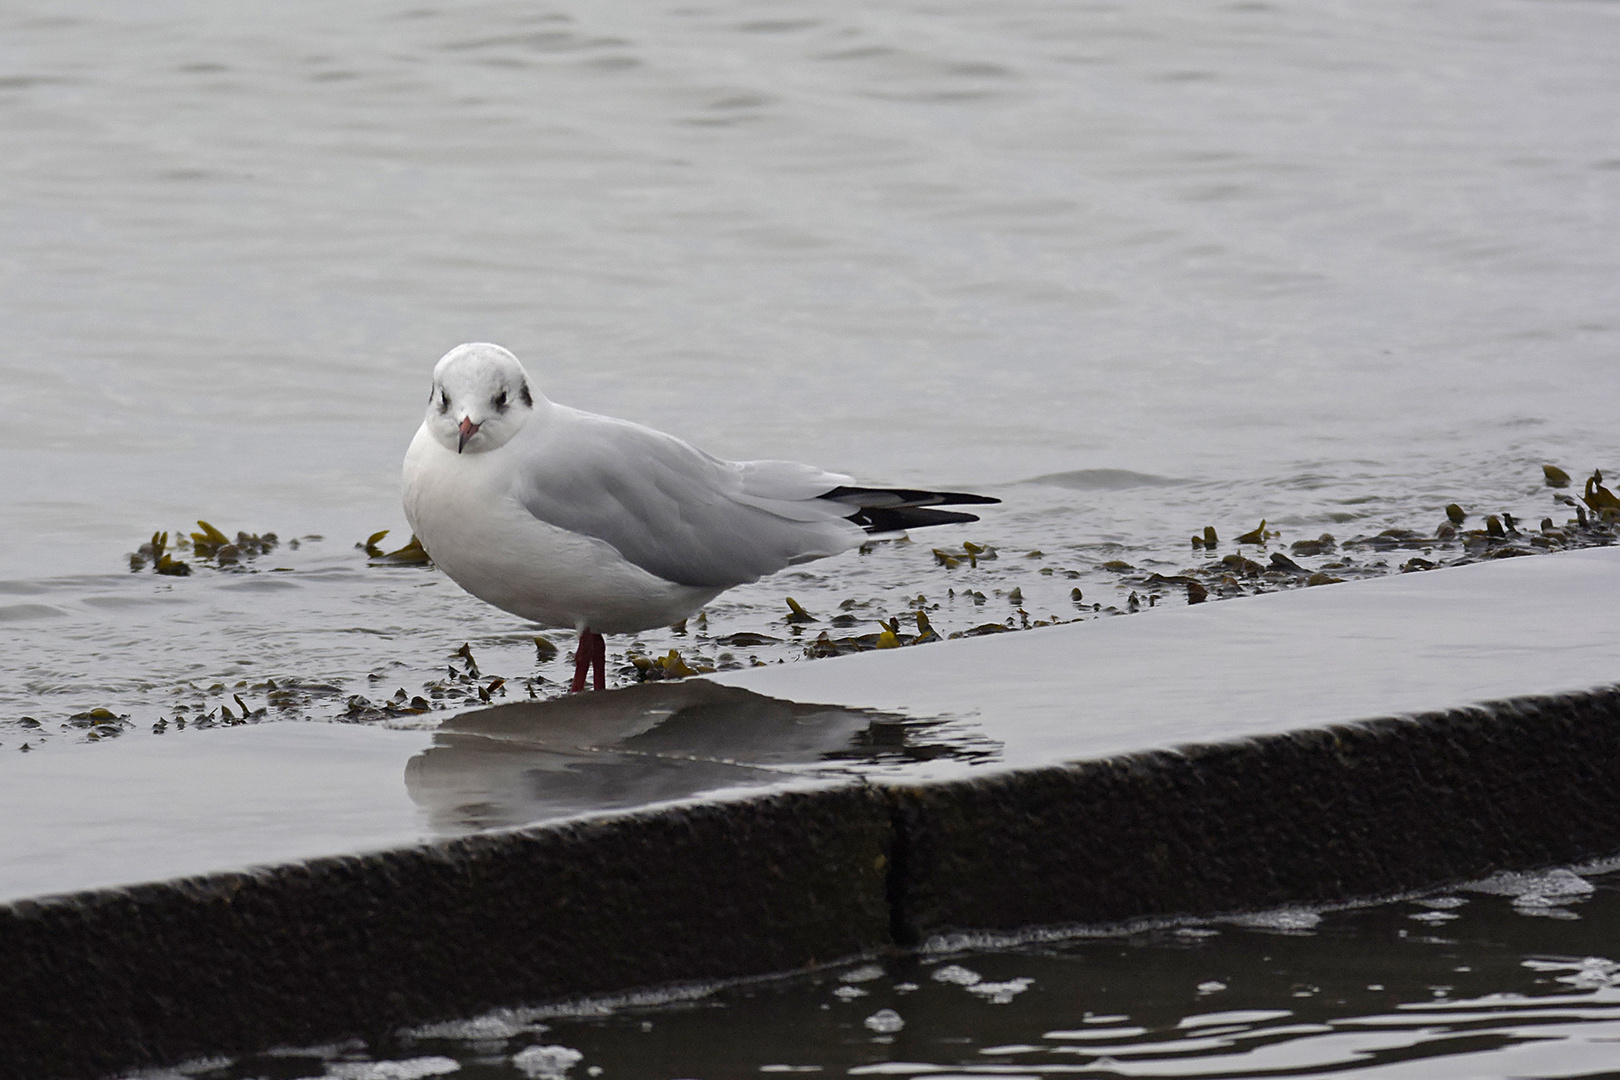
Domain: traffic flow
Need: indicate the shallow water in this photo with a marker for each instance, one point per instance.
(1511, 976)
(1135, 269)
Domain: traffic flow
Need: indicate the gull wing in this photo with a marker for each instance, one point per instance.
(669, 508)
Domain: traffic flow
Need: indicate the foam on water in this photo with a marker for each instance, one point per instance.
(1535, 886)
(546, 1062)
(1288, 920)
(1000, 993)
(408, 1069)
(500, 1025)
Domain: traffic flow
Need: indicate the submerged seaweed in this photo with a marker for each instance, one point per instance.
(1235, 574)
(968, 584)
(412, 554)
(208, 545)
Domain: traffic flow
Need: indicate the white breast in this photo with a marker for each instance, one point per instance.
(463, 510)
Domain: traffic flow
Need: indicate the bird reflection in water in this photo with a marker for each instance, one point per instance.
(533, 761)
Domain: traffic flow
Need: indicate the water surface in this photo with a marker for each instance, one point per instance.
(1135, 269)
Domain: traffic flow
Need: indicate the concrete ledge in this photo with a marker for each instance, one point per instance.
(339, 946)
(1352, 811)
(98, 981)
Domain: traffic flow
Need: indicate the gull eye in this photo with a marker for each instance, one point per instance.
(444, 401)
(500, 401)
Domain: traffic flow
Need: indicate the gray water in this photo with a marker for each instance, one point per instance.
(1332, 266)
(1133, 268)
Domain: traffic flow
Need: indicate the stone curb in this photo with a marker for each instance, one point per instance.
(94, 982)
(302, 954)
(1359, 810)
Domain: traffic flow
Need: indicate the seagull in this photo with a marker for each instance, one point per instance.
(603, 526)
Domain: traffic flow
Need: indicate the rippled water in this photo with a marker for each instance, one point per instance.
(1512, 976)
(1133, 268)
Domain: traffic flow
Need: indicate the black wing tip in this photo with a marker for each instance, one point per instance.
(899, 519)
(886, 510)
(894, 498)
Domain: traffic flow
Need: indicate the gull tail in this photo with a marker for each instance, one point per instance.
(889, 510)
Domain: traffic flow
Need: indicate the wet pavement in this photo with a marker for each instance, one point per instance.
(197, 801)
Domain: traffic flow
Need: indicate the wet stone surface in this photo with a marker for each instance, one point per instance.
(418, 766)
(263, 794)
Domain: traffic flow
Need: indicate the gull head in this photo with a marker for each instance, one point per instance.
(480, 398)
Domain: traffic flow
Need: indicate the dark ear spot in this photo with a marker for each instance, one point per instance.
(528, 398)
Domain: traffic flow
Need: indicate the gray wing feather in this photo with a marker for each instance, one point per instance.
(675, 511)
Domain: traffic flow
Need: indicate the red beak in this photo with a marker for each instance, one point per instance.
(468, 430)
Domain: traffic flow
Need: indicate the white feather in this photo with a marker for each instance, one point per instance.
(578, 520)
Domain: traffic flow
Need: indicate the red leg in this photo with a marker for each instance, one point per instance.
(583, 652)
(599, 661)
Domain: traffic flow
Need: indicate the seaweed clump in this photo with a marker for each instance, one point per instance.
(207, 545)
(1033, 593)
(1257, 565)
(671, 666)
(99, 724)
(412, 554)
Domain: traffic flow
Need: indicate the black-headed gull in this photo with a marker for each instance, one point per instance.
(604, 526)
